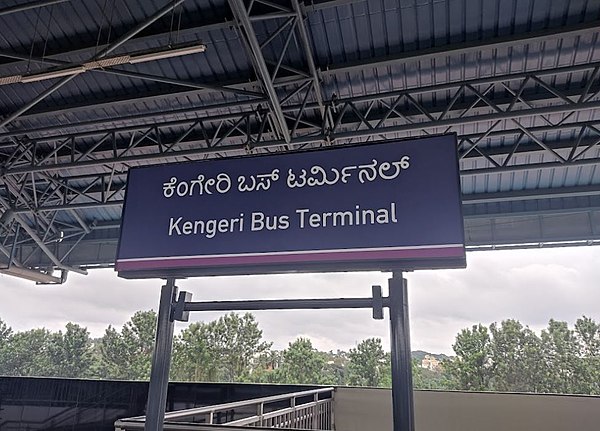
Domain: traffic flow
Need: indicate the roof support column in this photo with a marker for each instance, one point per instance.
(278, 45)
(253, 48)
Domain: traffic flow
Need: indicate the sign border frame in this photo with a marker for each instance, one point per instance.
(385, 265)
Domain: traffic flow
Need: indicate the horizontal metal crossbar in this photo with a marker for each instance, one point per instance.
(283, 304)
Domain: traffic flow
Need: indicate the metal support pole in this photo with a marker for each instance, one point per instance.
(161, 359)
(402, 391)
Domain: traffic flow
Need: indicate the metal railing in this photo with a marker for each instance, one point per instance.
(305, 410)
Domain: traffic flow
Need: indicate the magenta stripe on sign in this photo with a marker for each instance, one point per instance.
(317, 256)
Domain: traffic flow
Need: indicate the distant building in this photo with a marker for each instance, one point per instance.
(431, 363)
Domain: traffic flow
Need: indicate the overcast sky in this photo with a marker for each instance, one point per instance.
(530, 285)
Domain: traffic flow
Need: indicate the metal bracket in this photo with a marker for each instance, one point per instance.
(178, 311)
(377, 303)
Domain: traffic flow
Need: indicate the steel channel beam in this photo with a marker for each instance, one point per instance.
(201, 24)
(104, 52)
(531, 194)
(40, 243)
(493, 151)
(407, 128)
(110, 70)
(250, 103)
(110, 48)
(254, 51)
(438, 52)
(522, 113)
(310, 58)
(374, 63)
(31, 5)
(532, 212)
(218, 117)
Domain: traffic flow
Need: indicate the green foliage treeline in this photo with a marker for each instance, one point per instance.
(229, 349)
(511, 357)
(501, 357)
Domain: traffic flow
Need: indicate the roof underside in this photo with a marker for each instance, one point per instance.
(518, 81)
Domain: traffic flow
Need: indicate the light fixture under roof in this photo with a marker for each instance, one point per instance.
(33, 275)
(136, 58)
(168, 53)
(58, 73)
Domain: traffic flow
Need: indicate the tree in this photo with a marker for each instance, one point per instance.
(5, 336)
(266, 368)
(28, 353)
(470, 370)
(515, 353)
(367, 363)
(386, 371)
(128, 354)
(302, 364)
(236, 340)
(335, 370)
(5, 331)
(71, 352)
(560, 359)
(194, 359)
(587, 333)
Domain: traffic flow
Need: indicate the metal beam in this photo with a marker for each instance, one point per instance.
(112, 70)
(315, 139)
(55, 87)
(40, 243)
(531, 194)
(249, 104)
(199, 23)
(506, 106)
(468, 47)
(30, 5)
(103, 53)
(310, 57)
(20, 194)
(254, 51)
(332, 70)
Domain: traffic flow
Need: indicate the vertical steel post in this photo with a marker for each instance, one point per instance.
(161, 359)
(402, 391)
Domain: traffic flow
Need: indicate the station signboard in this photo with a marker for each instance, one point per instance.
(383, 206)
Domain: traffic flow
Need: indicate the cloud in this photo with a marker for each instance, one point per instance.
(530, 285)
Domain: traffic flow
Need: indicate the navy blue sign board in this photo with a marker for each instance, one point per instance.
(388, 206)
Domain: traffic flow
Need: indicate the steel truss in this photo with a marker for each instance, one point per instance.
(285, 38)
(45, 230)
(506, 124)
(498, 121)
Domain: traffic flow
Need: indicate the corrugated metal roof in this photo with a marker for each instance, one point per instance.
(361, 48)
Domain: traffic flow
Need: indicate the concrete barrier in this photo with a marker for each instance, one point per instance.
(368, 409)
